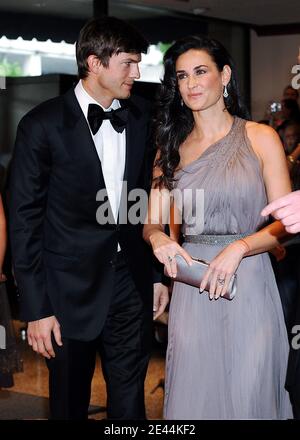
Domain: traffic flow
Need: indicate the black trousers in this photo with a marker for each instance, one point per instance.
(296, 406)
(124, 347)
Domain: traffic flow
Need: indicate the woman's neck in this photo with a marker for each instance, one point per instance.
(208, 125)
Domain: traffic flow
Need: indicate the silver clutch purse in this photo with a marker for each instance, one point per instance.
(194, 274)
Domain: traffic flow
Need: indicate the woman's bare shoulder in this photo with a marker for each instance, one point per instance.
(258, 131)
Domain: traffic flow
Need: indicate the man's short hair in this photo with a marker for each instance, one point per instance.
(104, 37)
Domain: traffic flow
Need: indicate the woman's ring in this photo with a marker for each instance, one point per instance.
(221, 281)
(170, 258)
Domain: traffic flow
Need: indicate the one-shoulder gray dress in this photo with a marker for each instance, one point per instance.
(227, 359)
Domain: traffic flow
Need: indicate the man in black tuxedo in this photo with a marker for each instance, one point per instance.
(84, 274)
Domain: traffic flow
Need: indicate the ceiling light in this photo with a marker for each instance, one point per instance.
(40, 5)
(200, 11)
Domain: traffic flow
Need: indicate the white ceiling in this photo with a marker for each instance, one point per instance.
(257, 12)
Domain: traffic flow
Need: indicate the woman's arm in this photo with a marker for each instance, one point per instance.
(269, 150)
(3, 239)
(161, 211)
(268, 147)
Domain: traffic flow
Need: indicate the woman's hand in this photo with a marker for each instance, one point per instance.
(165, 249)
(222, 267)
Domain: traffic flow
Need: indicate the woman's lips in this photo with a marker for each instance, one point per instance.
(195, 95)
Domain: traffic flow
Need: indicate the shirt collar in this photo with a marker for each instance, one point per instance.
(84, 99)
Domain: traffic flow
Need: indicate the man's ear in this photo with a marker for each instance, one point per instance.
(94, 64)
(226, 75)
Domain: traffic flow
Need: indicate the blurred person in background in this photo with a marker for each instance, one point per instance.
(290, 93)
(290, 113)
(10, 357)
(291, 137)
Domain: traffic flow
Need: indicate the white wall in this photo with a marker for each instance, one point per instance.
(272, 59)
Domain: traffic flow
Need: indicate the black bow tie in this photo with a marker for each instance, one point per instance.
(96, 115)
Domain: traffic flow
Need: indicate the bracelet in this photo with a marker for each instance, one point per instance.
(246, 244)
(290, 159)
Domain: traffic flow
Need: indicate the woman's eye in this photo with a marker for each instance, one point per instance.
(181, 76)
(200, 71)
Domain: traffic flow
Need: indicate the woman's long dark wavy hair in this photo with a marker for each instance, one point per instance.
(174, 122)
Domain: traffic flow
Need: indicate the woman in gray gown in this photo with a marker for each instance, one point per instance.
(225, 359)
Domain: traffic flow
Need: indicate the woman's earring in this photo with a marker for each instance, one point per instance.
(225, 92)
(181, 102)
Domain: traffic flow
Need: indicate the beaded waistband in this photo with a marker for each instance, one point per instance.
(213, 239)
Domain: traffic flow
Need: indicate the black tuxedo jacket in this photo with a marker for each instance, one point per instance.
(63, 258)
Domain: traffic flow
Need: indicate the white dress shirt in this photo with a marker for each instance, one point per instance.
(111, 149)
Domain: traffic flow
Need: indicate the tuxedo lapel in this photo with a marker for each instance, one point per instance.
(135, 150)
(134, 144)
(79, 143)
(80, 146)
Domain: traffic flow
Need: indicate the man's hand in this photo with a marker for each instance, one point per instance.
(160, 299)
(287, 210)
(39, 335)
